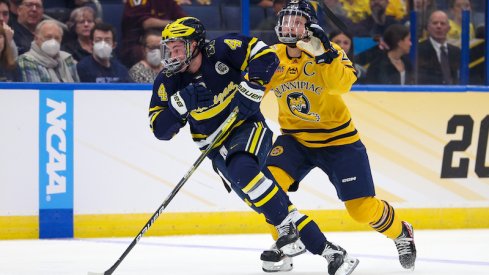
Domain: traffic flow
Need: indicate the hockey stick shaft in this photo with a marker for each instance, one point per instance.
(222, 130)
(329, 14)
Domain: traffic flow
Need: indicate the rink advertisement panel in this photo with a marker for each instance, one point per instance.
(428, 152)
(56, 164)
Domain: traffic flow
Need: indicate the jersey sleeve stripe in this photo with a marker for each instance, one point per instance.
(256, 48)
(248, 51)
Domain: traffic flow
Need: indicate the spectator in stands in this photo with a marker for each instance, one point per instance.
(8, 68)
(455, 33)
(44, 62)
(81, 23)
(30, 13)
(423, 9)
(146, 70)
(358, 10)
(139, 16)
(61, 9)
(9, 32)
(438, 61)
(13, 12)
(377, 22)
(477, 71)
(101, 67)
(269, 22)
(345, 41)
(393, 66)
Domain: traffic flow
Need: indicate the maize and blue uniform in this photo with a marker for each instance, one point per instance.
(241, 154)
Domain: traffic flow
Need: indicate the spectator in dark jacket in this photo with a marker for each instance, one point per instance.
(139, 16)
(393, 66)
(80, 25)
(101, 67)
(438, 61)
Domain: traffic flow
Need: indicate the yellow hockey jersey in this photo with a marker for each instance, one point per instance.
(311, 108)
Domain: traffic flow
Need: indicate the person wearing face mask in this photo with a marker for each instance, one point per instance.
(101, 66)
(44, 62)
(146, 70)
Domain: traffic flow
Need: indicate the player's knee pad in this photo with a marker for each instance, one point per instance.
(365, 210)
(283, 178)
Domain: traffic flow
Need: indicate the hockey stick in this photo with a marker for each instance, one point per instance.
(329, 14)
(223, 129)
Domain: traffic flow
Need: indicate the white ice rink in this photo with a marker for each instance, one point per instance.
(439, 252)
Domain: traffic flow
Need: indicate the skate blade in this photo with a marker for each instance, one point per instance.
(281, 266)
(349, 264)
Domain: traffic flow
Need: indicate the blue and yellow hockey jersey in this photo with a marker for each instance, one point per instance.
(224, 63)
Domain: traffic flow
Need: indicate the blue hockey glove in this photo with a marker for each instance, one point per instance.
(319, 45)
(248, 98)
(190, 98)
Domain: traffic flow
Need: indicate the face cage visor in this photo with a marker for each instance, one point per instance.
(176, 55)
(289, 27)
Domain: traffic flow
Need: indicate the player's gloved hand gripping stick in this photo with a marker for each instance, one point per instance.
(190, 98)
(318, 45)
(248, 98)
(223, 129)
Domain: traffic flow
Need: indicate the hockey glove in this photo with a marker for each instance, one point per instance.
(190, 98)
(248, 98)
(319, 45)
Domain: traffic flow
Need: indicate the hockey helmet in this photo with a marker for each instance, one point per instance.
(290, 27)
(177, 56)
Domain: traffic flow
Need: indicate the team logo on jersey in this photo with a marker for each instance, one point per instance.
(277, 151)
(233, 43)
(280, 69)
(299, 106)
(221, 68)
(292, 70)
(210, 48)
(162, 93)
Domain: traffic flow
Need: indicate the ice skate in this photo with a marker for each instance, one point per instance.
(405, 246)
(339, 263)
(275, 260)
(288, 237)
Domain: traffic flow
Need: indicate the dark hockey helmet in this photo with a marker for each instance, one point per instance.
(182, 32)
(289, 30)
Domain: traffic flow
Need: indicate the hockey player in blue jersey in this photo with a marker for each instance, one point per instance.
(201, 83)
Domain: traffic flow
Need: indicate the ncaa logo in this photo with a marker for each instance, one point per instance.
(221, 68)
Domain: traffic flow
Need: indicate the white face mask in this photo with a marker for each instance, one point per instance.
(102, 50)
(50, 47)
(154, 57)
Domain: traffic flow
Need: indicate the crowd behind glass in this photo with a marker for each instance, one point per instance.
(38, 46)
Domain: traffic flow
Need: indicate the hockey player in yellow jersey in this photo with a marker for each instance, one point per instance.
(318, 131)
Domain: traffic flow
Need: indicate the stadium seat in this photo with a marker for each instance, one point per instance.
(231, 17)
(208, 15)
